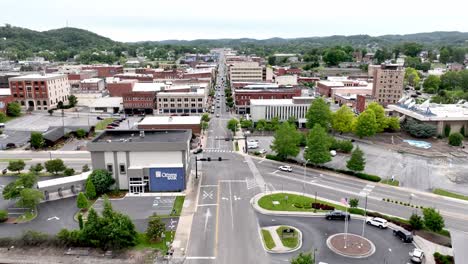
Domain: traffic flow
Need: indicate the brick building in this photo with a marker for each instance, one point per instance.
(139, 102)
(5, 99)
(142, 78)
(105, 71)
(40, 91)
(242, 97)
(388, 84)
(117, 88)
(93, 85)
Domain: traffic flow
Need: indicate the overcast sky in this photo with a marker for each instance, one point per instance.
(137, 20)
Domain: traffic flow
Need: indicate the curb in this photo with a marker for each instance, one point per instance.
(286, 251)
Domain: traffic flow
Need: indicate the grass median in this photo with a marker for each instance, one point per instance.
(450, 194)
(176, 208)
(268, 239)
(144, 243)
(391, 182)
(292, 202)
(288, 240)
(101, 125)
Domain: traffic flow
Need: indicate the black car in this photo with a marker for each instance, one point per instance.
(114, 124)
(10, 145)
(403, 235)
(340, 215)
(198, 150)
(99, 118)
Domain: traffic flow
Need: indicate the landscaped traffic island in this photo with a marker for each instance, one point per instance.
(281, 239)
(295, 202)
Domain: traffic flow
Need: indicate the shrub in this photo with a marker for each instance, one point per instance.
(345, 146)
(3, 216)
(443, 259)
(419, 130)
(456, 139)
(368, 177)
(69, 171)
(324, 207)
(447, 130)
(273, 157)
(34, 238)
(353, 202)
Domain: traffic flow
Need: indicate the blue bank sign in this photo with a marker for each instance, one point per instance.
(167, 179)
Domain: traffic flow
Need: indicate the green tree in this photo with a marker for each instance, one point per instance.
(27, 180)
(412, 77)
(205, 117)
(36, 169)
(155, 228)
(272, 60)
(357, 162)
(261, 125)
(80, 133)
(319, 113)
(30, 198)
(416, 221)
(81, 201)
(16, 165)
(274, 123)
(366, 124)
(50, 111)
(80, 221)
(286, 141)
(92, 230)
(72, 100)
(303, 258)
(233, 125)
(412, 49)
(380, 118)
(102, 180)
(318, 145)
(431, 84)
(14, 109)
(450, 81)
(353, 202)
(335, 56)
(342, 120)
(447, 130)
(246, 123)
(37, 140)
(3, 216)
(433, 220)
(90, 189)
(204, 125)
(455, 139)
(393, 124)
(3, 117)
(55, 166)
(292, 120)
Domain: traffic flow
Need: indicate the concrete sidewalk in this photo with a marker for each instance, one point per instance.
(430, 248)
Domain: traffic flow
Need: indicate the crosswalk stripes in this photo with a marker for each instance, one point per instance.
(218, 150)
(251, 183)
(367, 190)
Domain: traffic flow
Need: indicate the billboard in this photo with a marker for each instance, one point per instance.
(167, 179)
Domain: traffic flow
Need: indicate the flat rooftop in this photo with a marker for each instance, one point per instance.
(38, 76)
(148, 87)
(434, 112)
(133, 136)
(171, 120)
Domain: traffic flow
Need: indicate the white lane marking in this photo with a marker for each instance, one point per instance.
(209, 185)
(200, 258)
(53, 218)
(208, 205)
(207, 216)
(224, 198)
(230, 200)
(367, 190)
(274, 172)
(261, 161)
(208, 195)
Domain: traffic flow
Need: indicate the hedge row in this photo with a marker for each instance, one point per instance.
(324, 207)
(443, 259)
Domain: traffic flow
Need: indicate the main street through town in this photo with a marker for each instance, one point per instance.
(225, 227)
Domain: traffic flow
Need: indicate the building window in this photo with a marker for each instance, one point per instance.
(109, 168)
(122, 169)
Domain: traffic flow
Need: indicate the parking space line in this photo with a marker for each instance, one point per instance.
(209, 185)
(207, 205)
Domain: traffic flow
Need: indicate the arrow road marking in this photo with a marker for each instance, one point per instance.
(224, 198)
(236, 198)
(53, 218)
(207, 215)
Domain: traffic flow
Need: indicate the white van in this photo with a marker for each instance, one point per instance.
(2, 125)
(252, 144)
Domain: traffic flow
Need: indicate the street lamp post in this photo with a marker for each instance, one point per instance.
(365, 216)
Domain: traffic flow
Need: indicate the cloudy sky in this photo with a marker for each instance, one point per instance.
(138, 20)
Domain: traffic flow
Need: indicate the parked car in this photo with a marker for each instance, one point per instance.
(417, 255)
(377, 221)
(109, 127)
(10, 145)
(262, 151)
(217, 115)
(403, 235)
(114, 124)
(285, 168)
(337, 215)
(197, 151)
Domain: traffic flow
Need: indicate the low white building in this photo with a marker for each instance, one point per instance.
(283, 109)
(106, 105)
(440, 115)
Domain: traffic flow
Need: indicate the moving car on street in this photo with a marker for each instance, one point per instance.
(337, 214)
(285, 168)
(377, 221)
(403, 235)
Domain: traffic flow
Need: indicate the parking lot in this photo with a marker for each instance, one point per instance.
(139, 209)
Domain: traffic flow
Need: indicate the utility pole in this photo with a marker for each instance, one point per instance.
(365, 216)
(196, 167)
